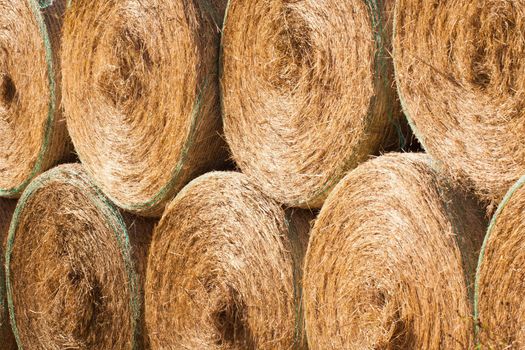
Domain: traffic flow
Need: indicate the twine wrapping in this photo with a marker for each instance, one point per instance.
(141, 96)
(34, 136)
(70, 269)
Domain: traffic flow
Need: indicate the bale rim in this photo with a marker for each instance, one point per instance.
(34, 133)
(224, 269)
(460, 88)
(391, 259)
(276, 69)
(497, 294)
(70, 259)
(146, 76)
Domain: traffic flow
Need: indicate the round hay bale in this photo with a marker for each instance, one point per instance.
(6, 336)
(34, 136)
(73, 267)
(307, 92)
(224, 270)
(391, 261)
(500, 312)
(142, 96)
(458, 70)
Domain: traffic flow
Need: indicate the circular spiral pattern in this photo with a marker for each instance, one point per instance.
(294, 75)
(34, 136)
(391, 260)
(72, 277)
(224, 270)
(458, 69)
(141, 95)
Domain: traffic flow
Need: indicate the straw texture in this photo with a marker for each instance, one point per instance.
(73, 266)
(391, 260)
(501, 275)
(142, 96)
(459, 71)
(224, 270)
(34, 136)
(307, 91)
(7, 340)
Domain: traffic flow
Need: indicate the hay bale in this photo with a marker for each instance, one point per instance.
(141, 95)
(34, 136)
(458, 69)
(224, 270)
(7, 340)
(391, 260)
(500, 311)
(73, 267)
(307, 92)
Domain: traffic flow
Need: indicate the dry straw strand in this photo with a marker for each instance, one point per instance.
(141, 95)
(224, 270)
(391, 260)
(499, 310)
(294, 75)
(34, 132)
(457, 66)
(73, 266)
(7, 340)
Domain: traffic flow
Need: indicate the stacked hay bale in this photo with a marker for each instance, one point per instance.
(141, 95)
(307, 92)
(34, 136)
(391, 260)
(308, 96)
(499, 284)
(224, 270)
(458, 67)
(74, 267)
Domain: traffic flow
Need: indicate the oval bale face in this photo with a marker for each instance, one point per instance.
(391, 260)
(224, 270)
(142, 97)
(307, 92)
(458, 70)
(70, 276)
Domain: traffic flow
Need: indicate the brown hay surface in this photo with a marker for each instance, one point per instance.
(33, 131)
(141, 95)
(459, 68)
(307, 92)
(224, 269)
(7, 341)
(73, 267)
(391, 260)
(501, 274)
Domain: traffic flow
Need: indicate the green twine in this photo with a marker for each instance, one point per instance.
(501, 206)
(116, 223)
(43, 4)
(37, 168)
